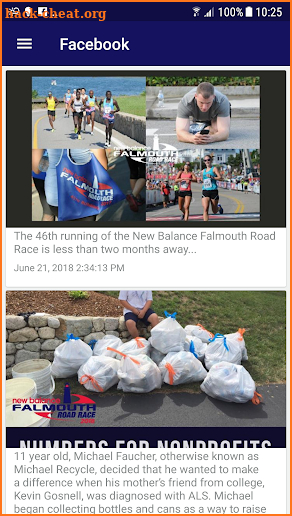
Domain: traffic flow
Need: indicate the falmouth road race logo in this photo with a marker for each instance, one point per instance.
(83, 409)
(146, 155)
(95, 191)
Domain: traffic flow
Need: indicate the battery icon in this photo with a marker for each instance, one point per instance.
(249, 11)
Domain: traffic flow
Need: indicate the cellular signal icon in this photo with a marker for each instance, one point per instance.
(196, 10)
(210, 13)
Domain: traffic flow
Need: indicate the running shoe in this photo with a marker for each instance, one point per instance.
(220, 209)
(132, 202)
(140, 200)
(79, 136)
(106, 145)
(52, 130)
(182, 217)
(91, 132)
(75, 130)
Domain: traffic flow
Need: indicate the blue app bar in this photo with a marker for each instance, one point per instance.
(126, 36)
(145, 11)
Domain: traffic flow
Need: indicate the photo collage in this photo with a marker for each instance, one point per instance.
(146, 149)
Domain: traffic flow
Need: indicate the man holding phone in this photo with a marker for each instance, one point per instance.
(210, 111)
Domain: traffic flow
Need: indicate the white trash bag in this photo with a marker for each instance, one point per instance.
(156, 355)
(101, 346)
(181, 367)
(230, 382)
(238, 338)
(196, 347)
(200, 332)
(99, 373)
(168, 335)
(134, 347)
(69, 356)
(138, 374)
(221, 349)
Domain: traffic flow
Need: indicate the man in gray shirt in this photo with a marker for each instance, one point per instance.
(210, 111)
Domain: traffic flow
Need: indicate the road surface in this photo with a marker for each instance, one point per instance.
(185, 409)
(244, 134)
(237, 205)
(65, 138)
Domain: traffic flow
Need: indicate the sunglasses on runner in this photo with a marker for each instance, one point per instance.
(207, 160)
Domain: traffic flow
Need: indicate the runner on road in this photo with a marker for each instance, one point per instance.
(137, 182)
(185, 177)
(51, 104)
(77, 106)
(109, 108)
(210, 190)
(73, 96)
(245, 186)
(90, 109)
(84, 97)
(67, 98)
(165, 191)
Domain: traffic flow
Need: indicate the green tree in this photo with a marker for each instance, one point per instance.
(255, 157)
(235, 162)
(34, 94)
(194, 81)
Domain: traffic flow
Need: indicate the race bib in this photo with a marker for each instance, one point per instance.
(207, 183)
(107, 110)
(183, 185)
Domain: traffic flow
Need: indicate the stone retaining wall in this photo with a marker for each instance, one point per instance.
(42, 334)
(130, 125)
(180, 91)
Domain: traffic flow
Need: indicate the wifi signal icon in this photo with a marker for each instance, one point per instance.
(196, 10)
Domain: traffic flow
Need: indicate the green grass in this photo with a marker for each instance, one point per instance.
(261, 313)
(79, 294)
(134, 105)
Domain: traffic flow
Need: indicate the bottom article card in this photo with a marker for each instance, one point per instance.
(141, 402)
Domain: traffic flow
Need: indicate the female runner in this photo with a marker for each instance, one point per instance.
(185, 178)
(210, 190)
